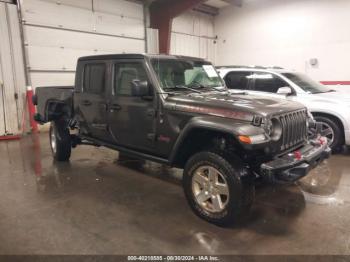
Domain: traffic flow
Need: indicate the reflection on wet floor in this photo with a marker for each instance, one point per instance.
(97, 204)
(321, 186)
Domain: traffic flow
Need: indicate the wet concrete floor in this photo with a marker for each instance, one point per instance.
(95, 205)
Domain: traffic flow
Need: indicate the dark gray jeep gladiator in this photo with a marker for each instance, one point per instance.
(177, 111)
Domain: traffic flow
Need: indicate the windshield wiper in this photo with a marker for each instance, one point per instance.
(183, 87)
(197, 85)
(166, 93)
(217, 89)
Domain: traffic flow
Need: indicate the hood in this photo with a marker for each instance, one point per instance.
(332, 97)
(232, 104)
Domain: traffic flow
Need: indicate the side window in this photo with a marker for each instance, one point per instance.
(124, 74)
(280, 82)
(237, 80)
(94, 78)
(266, 82)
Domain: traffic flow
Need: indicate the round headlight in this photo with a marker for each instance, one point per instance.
(276, 129)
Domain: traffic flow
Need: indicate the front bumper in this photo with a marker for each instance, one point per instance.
(295, 165)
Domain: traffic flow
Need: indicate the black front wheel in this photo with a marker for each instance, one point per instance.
(216, 188)
(60, 141)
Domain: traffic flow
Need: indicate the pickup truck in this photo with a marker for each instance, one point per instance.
(177, 111)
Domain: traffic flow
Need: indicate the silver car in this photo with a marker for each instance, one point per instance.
(329, 107)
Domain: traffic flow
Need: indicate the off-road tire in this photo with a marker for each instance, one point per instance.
(240, 185)
(61, 134)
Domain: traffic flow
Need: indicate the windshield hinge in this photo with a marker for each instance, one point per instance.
(257, 120)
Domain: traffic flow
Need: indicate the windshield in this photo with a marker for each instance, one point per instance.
(175, 73)
(307, 84)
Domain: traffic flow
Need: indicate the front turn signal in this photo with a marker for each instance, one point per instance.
(245, 139)
(256, 139)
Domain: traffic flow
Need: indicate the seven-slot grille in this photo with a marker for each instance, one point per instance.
(294, 129)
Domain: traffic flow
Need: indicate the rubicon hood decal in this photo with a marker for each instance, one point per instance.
(239, 115)
(240, 107)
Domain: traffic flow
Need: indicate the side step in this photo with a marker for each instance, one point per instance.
(76, 140)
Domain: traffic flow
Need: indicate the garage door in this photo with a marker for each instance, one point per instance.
(2, 112)
(193, 35)
(58, 32)
(12, 77)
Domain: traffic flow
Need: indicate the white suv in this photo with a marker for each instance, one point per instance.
(329, 107)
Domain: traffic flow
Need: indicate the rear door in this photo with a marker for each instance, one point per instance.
(131, 119)
(91, 100)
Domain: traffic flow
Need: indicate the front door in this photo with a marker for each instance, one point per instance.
(267, 84)
(131, 119)
(91, 101)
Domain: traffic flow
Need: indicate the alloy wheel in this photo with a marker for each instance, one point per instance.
(53, 141)
(210, 189)
(327, 131)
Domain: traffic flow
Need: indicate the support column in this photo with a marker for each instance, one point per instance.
(161, 16)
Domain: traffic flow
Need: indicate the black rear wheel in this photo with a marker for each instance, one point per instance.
(216, 188)
(60, 141)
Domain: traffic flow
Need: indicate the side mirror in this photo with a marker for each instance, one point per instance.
(286, 90)
(140, 88)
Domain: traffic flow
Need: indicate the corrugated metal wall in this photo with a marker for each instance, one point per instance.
(193, 35)
(152, 41)
(57, 32)
(12, 76)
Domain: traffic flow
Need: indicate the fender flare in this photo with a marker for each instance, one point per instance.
(341, 118)
(49, 115)
(211, 123)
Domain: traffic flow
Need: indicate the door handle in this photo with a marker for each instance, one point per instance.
(114, 107)
(86, 103)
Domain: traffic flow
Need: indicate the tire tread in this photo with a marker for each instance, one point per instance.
(63, 141)
(244, 190)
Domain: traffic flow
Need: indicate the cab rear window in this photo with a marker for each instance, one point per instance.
(94, 78)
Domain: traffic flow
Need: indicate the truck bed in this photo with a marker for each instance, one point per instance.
(50, 100)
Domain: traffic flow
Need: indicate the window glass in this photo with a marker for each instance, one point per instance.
(94, 78)
(237, 80)
(307, 84)
(266, 82)
(124, 74)
(174, 73)
(280, 82)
